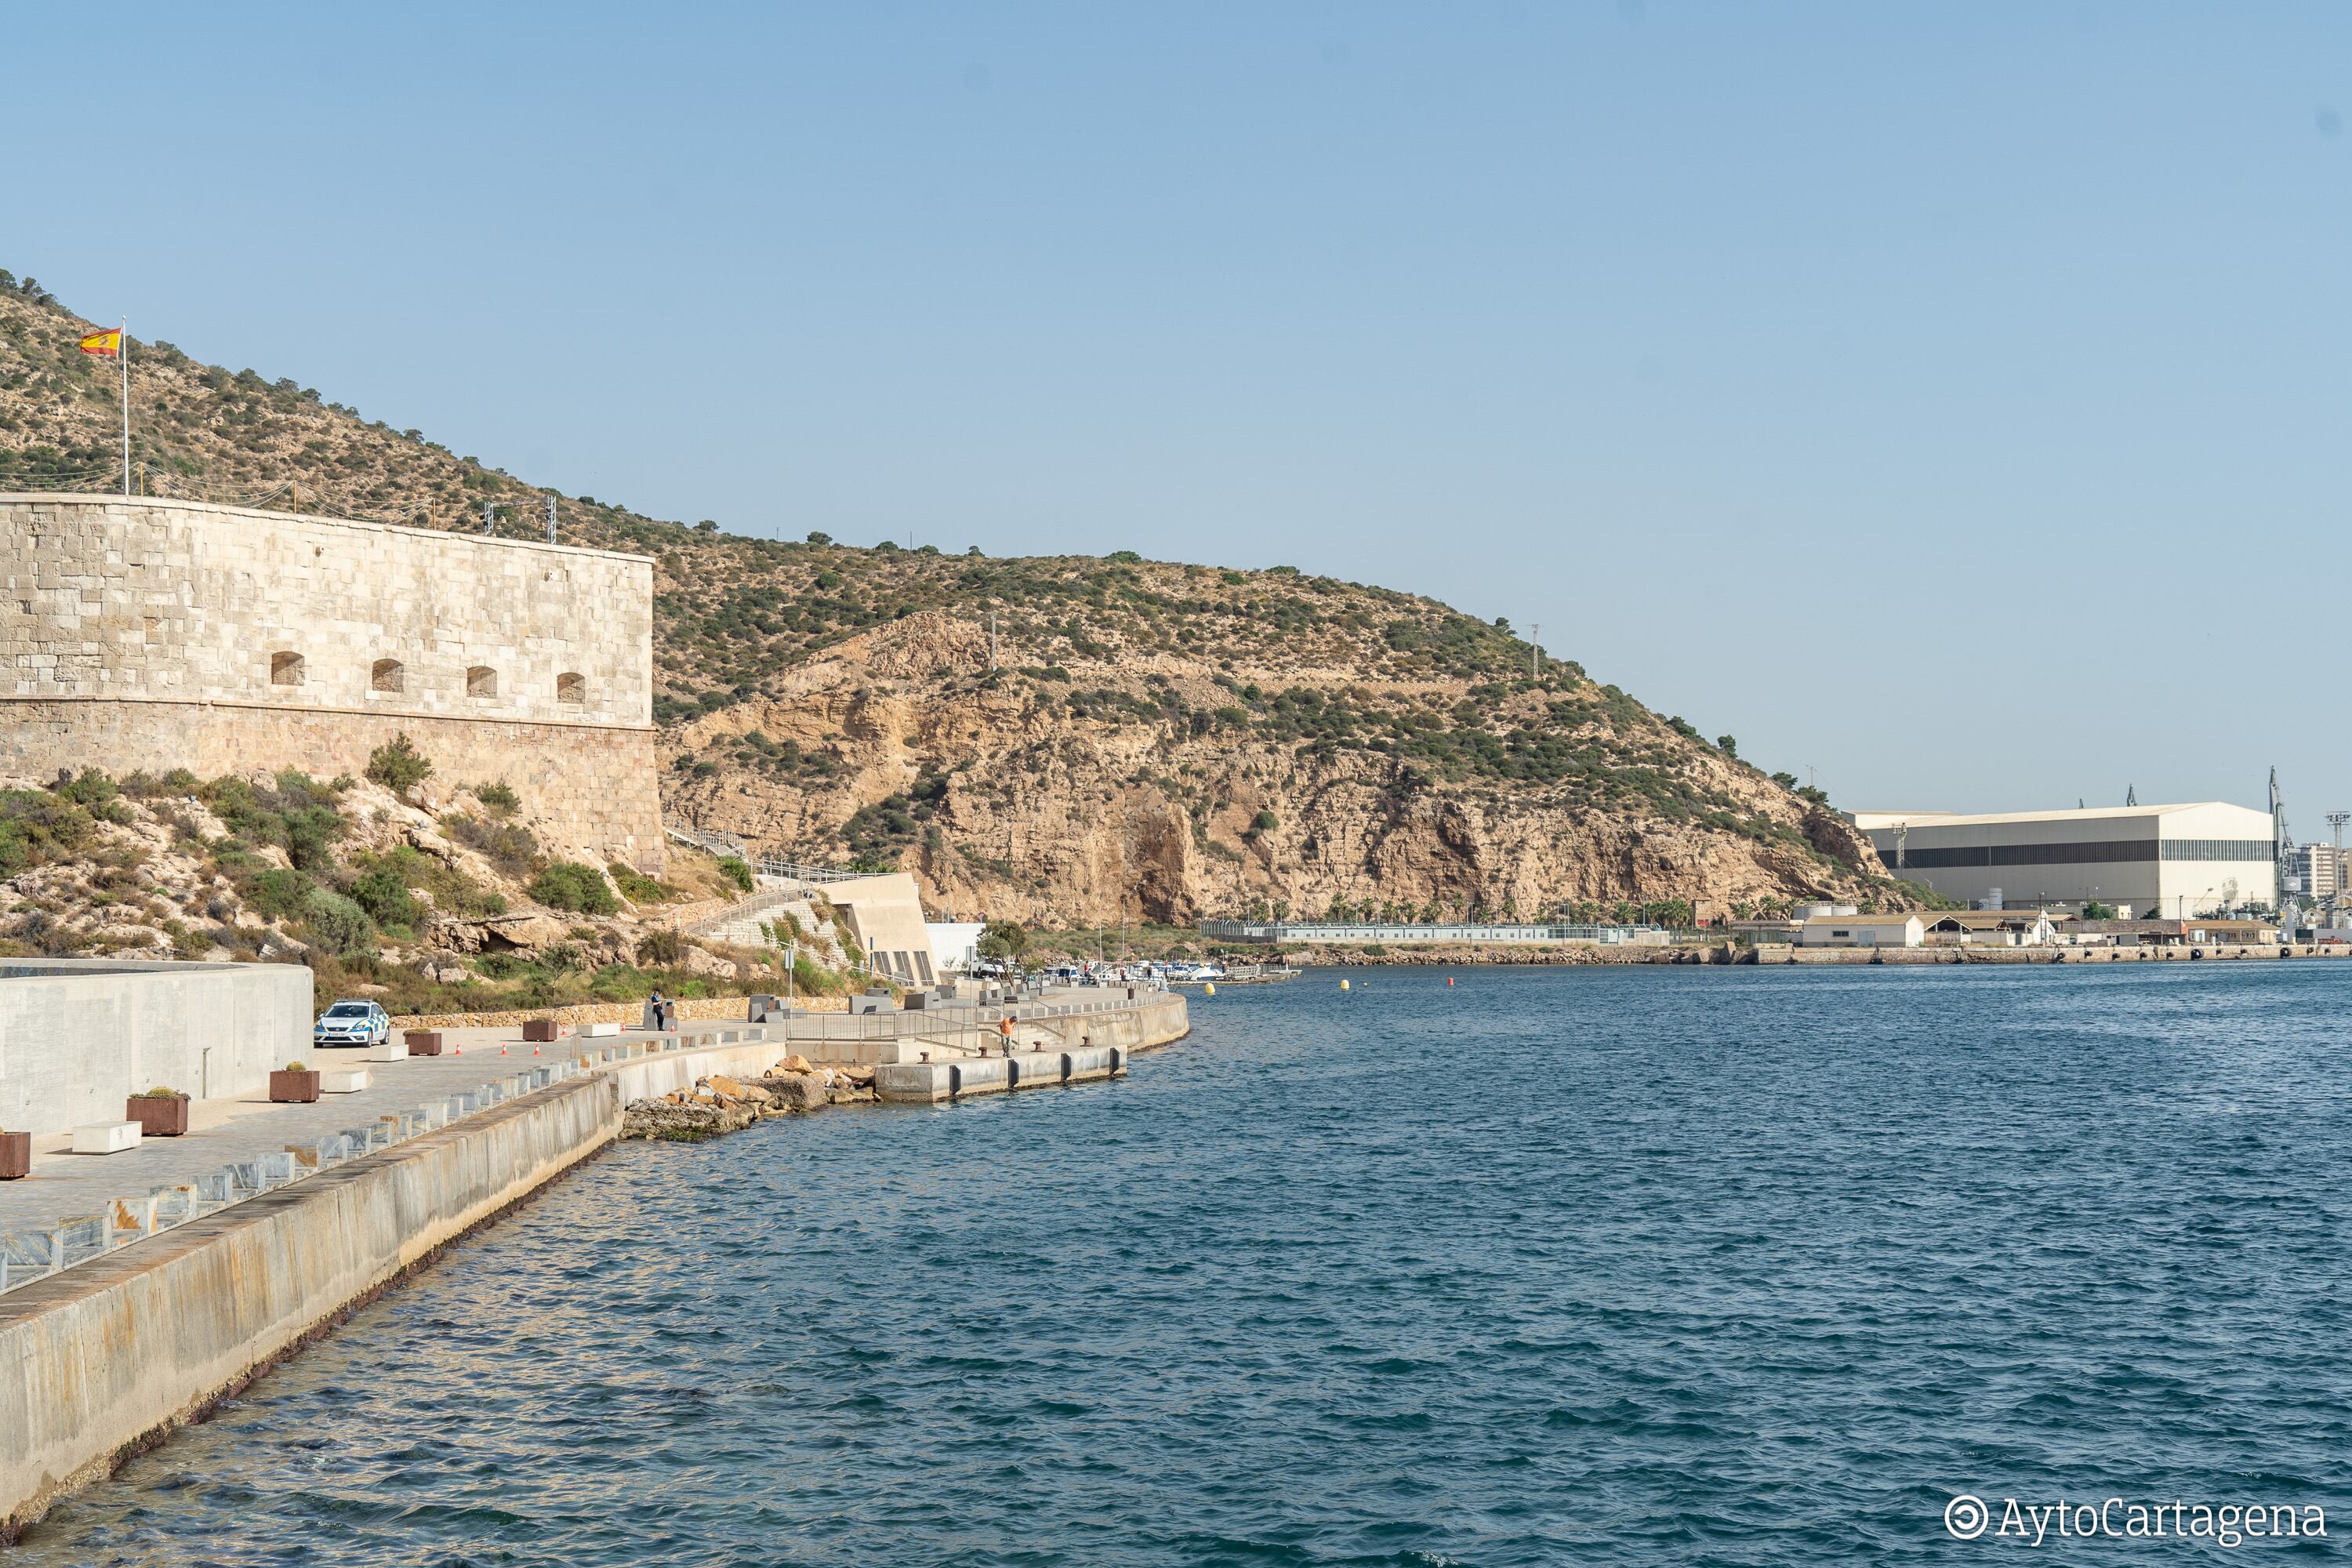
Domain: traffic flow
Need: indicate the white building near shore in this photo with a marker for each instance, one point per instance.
(2173, 862)
(1860, 930)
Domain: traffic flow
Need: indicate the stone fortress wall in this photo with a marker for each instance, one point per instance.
(151, 633)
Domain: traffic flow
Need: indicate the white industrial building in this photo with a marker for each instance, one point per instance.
(2170, 862)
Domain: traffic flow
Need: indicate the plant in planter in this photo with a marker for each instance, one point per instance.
(16, 1155)
(296, 1085)
(160, 1112)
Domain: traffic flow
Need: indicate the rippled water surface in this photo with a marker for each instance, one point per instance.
(1660, 1265)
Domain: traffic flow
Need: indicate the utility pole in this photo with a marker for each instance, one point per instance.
(1535, 650)
(1902, 842)
(550, 519)
(489, 507)
(992, 642)
(122, 358)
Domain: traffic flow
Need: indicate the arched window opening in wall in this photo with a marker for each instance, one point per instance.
(571, 688)
(481, 680)
(285, 669)
(387, 675)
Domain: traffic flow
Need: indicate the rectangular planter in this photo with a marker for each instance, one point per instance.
(158, 1118)
(424, 1042)
(16, 1156)
(294, 1088)
(538, 1031)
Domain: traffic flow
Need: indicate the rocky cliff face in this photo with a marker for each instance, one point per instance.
(1143, 785)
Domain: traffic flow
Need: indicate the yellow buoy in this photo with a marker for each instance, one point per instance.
(1343, 985)
(1212, 988)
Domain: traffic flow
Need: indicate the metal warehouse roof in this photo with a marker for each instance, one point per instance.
(1870, 819)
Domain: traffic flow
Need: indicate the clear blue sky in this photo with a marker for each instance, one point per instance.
(1952, 397)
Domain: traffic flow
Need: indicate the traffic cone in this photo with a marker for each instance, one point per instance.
(534, 1050)
(503, 1051)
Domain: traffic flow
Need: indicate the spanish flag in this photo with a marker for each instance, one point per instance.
(108, 341)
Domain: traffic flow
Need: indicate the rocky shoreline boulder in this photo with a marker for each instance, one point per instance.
(719, 1104)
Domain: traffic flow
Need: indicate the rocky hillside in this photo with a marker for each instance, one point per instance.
(435, 897)
(1161, 741)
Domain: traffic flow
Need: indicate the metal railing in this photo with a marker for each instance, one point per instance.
(722, 843)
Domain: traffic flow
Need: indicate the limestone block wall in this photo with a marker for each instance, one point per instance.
(158, 634)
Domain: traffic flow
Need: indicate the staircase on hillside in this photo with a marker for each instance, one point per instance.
(740, 922)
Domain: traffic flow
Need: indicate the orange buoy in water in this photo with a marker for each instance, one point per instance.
(1449, 980)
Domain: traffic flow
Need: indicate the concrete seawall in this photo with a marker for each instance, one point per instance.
(102, 1359)
(105, 1358)
(1057, 1050)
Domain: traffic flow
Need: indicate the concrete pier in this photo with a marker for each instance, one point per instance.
(1050, 1048)
(930, 1082)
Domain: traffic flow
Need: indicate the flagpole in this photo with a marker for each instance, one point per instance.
(122, 346)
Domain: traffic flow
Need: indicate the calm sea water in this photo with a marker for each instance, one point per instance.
(1645, 1266)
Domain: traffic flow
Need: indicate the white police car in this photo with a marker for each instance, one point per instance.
(352, 1023)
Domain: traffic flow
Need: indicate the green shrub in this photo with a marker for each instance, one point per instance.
(738, 872)
(382, 891)
(37, 826)
(334, 922)
(278, 894)
(568, 885)
(94, 792)
(500, 798)
(297, 813)
(398, 765)
(661, 949)
(507, 846)
(634, 886)
(811, 978)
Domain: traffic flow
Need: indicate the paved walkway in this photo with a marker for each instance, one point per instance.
(65, 1184)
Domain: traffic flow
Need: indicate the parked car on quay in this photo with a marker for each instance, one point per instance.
(352, 1023)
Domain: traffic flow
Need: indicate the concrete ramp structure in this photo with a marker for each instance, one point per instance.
(886, 916)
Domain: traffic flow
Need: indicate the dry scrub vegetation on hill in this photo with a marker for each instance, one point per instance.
(1160, 741)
